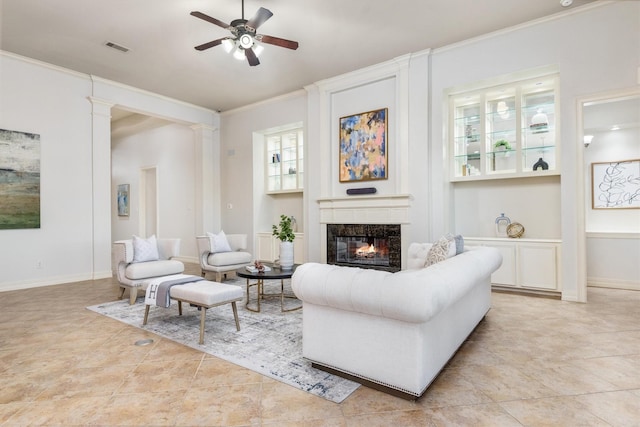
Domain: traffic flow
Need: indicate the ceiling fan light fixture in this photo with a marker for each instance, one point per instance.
(257, 49)
(239, 53)
(228, 45)
(245, 41)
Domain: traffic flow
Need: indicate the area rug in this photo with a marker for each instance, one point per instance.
(269, 342)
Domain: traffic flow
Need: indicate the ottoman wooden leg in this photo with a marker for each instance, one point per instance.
(235, 315)
(203, 314)
(146, 314)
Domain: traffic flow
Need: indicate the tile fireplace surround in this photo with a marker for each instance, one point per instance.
(387, 234)
(367, 211)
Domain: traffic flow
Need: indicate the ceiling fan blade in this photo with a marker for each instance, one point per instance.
(210, 19)
(210, 44)
(259, 18)
(251, 57)
(289, 44)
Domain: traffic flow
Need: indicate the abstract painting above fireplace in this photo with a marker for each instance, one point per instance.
(376, 246)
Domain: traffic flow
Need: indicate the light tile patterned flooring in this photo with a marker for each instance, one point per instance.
(531, 362)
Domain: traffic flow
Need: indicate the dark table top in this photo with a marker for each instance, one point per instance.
(275, 273)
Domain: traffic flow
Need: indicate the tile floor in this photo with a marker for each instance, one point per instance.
(531, 362)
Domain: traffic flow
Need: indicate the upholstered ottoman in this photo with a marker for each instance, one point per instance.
(204, 294)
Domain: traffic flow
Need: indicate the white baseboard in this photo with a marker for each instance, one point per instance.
(603, 282)
(26, 284)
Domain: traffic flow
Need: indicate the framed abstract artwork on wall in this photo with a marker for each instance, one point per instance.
(19, 180)
(363, 146)
(615, 185)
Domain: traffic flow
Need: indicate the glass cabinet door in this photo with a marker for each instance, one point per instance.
(539, 128)
(501, 132)
(466, 136)
(284, 161)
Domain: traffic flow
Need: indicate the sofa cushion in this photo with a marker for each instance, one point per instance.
(228, 258)
(145, 249)
(219, 242)
(417, 255)
(145, 270)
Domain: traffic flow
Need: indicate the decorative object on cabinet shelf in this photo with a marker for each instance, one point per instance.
(540, 164)
(515, 230)
(363, 146)
(502, 223)
(502, 144)
(284, 232)
(539, 122)
(275, 158)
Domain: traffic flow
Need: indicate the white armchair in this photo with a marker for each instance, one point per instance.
(222, 263)
(135, 275)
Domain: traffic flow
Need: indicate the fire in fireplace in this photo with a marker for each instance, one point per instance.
(364, 245)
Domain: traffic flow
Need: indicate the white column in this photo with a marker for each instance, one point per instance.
(101, 186)
(207, 179)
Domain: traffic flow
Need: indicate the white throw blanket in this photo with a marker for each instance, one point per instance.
(158, 290)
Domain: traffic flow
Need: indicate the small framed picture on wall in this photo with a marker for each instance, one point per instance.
(123, 200)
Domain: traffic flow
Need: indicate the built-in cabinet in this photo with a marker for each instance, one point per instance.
(527, 264)
(505, 131)
(284, 156)
(268, 247)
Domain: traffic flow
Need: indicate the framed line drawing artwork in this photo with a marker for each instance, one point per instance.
(363, 146)
(615, 185)
(123, 200)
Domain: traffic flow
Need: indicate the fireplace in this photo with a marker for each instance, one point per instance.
(376, 246)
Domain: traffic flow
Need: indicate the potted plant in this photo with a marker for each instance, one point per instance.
(502, 144)
(284, 233)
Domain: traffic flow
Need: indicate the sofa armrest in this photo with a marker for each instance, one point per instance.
(121, 256)
(122, 251)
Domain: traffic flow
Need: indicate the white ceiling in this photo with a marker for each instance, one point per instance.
(335, 36)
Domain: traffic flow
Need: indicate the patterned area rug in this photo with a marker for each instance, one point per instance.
(269, 342)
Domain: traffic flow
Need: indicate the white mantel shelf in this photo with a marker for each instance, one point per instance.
(365, 209)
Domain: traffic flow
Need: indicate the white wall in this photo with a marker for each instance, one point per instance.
(52, 103)
(242, 174)
(71, 113)
(594, 48)
(169, 149)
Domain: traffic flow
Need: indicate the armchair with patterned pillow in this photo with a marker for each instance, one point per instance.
(222, 253)
(136, 261)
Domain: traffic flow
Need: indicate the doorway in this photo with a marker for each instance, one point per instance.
(610, 125)
(148, 220)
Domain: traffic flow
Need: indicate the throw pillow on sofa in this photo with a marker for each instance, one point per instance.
(219, 242)
(145, 249)
(439, 251)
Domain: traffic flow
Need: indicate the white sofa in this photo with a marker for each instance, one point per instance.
(134, 275)
(222, 263)
(393, 331)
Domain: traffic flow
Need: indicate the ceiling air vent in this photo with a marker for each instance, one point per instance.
(117, 46)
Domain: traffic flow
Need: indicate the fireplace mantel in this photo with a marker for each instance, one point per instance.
(378, 209)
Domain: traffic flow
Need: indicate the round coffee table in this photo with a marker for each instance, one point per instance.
(274, 274)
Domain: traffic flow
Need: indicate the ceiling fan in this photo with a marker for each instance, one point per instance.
(244, 37)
